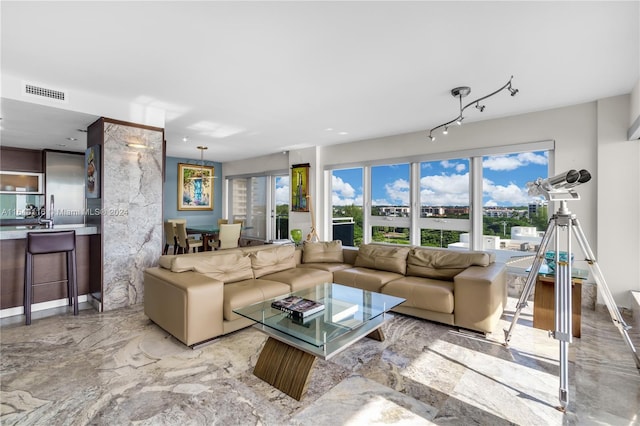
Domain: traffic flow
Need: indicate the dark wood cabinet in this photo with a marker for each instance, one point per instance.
(544, 304)
(21, 160)
(50, 271)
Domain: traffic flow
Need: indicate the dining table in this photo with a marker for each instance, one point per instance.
(208, 234)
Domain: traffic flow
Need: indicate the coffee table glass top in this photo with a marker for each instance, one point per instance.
(345, 310)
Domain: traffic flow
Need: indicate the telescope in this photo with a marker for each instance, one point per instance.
(559, 187)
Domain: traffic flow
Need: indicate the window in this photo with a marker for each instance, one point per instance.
(444, 201)
(346, 201)
(390, 204)
(248, 202)
(262, 202)
(281, 194)
(430, 201)
(512, 219)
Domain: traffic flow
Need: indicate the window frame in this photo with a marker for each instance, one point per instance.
(414, 222)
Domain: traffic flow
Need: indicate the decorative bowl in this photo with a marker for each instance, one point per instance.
(550, 258)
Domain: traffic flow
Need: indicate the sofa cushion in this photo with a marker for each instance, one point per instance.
(272, 260)
(248, 292)
(300, 278)
(227, 268)
(329, 267)
(322, 252)
(423, 293)
(383, 258)
(364, 278)
(443, 264)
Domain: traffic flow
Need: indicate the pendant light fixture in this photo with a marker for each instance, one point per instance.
(461, 92)
(200, 173)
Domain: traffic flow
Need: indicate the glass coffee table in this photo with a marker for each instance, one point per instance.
(289, 353)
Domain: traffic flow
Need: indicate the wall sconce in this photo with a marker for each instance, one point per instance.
(461, 92)
(138, 145)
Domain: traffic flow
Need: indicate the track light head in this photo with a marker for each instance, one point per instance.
(432, 138)
(513, 91)
(445, 131)
(459, 121)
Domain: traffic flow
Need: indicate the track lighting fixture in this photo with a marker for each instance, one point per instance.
(461, 92)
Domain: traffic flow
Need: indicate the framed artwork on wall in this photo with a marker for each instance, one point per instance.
(299, 187)
(92, 172)
(195, 187)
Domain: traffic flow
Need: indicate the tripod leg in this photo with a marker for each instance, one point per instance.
(604, 291)
(562, 331)
(531, 279)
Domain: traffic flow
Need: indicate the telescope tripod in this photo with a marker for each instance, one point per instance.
(567, 221)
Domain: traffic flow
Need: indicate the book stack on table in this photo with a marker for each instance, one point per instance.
(297, 307)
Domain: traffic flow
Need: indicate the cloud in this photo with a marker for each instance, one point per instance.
(282, 195)
(343, 194)
(445, 190)
(510, 194)
(398, 192)
(282, 190)
(458, 166)
(512, 162)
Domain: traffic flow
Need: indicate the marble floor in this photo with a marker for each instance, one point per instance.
(118, 368)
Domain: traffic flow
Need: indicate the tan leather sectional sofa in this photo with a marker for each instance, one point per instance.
(192, 296)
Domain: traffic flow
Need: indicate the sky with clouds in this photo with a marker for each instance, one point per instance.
(446, 183)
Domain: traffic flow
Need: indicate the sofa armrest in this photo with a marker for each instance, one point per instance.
(480, 296)
(188, 304)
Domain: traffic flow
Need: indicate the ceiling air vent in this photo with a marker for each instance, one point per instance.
(36, 90)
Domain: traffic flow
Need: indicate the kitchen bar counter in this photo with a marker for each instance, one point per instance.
(19, 232)
(49, 270)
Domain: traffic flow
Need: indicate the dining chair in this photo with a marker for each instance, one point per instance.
(169, 237)
(228, 237)
(184, 242)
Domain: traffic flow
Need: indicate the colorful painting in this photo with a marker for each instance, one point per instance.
(92, 171)
(195, 187)
(299, 187)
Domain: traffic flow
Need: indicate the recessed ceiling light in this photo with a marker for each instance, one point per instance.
(328, 129)
(72, 139)
(343, 133)
(185, 139)
(82, 130)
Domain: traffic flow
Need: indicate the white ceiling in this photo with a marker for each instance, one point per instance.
(252, 78)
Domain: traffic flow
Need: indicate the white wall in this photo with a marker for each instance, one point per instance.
(618, 208)
(576, 131)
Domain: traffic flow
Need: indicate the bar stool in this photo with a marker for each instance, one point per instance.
(45, 243)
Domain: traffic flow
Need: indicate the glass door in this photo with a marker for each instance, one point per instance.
(280, 207)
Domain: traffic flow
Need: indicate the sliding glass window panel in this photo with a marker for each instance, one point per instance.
(281, 213)
(390, 234)
(444, 203)
(513, 221)
(247, 198)
(390, 190)
(444, 239)
(256, 208)
(444, 189)
(346, 201)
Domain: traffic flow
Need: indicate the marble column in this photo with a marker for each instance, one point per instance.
(132, 210)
